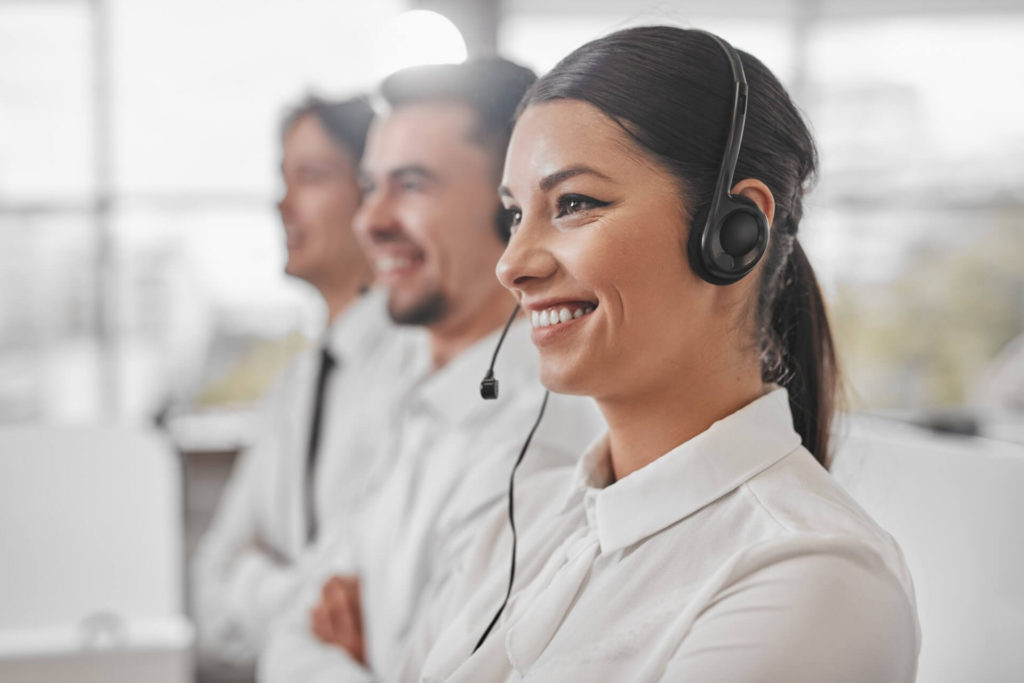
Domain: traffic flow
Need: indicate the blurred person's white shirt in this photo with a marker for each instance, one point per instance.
(249, 565)
(455, 456)
(734, 557)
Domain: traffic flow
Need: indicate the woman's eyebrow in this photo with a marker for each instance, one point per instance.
(552, 180)
(557, 177)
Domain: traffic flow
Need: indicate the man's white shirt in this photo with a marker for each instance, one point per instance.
(250, 564)
(454, 456)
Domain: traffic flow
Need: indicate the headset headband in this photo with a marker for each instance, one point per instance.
(738, 121)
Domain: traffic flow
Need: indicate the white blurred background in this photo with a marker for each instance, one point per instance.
(141, 265)
(140, 252)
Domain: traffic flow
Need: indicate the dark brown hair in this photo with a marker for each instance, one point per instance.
(671, 91)
(346, 122)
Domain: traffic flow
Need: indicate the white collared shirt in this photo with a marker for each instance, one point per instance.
(734, 557)
(455, 452)
(249, 565)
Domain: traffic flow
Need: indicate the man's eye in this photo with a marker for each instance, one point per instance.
(411, 184)
(570, 204)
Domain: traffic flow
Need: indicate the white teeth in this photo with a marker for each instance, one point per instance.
(557, 315)
(386, 264)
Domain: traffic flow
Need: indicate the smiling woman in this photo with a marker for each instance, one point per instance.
(654, 244)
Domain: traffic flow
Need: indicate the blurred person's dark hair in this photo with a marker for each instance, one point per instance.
(490, 87)
(345, 122)
(671, 91)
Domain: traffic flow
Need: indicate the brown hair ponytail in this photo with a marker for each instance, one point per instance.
(797, 351)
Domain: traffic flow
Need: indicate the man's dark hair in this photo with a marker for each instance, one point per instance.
(491, 87)
(345, 121)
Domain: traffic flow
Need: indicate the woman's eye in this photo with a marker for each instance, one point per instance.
(570, 204)
(510, 218)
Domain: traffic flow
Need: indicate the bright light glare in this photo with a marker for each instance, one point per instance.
(417, 37)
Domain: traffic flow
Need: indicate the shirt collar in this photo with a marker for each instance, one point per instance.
(687, 478)
(453, 392)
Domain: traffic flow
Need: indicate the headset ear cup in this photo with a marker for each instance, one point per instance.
(742, 228)
(742, 239)
(693, 245)
(736, 240)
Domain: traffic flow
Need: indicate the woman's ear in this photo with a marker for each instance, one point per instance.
(757, 192)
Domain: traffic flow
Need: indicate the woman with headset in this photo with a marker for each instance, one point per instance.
(654, 184)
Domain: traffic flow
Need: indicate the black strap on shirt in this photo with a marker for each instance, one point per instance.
(327, 363)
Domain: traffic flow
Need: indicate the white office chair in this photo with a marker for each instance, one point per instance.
(91, 544)
(956, 507)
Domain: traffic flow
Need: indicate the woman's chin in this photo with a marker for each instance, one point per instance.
(564, 380)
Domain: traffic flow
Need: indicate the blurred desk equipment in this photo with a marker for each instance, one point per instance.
(954, 505)
(91, 582)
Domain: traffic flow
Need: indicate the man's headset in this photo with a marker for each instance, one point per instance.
(731, 240)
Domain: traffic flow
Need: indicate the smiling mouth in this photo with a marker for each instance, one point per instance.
(387, 265)
(556, 315)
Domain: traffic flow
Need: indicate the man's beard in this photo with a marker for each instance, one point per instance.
(427, 311)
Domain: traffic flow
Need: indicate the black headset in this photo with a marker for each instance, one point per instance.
(730, 235)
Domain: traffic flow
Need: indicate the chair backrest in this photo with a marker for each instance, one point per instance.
(956, 507)
(91, 548)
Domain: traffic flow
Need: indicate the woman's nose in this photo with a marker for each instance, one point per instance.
(527, 259)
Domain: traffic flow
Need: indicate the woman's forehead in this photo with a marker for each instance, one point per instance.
(551, 136)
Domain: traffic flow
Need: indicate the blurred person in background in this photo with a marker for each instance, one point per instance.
(305, 467)
(432, 223)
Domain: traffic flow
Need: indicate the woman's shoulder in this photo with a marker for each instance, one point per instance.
(815, 516)
(804, 608)
(803, 498)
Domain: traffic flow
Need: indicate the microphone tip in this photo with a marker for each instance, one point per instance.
(489, 388)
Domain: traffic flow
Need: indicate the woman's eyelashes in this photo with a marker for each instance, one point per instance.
(567, 205)
(571, 204)
(511, 217)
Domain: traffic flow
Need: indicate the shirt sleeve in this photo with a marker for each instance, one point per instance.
(240, 582)
(458, 599)
(812, 617)
(294, 653)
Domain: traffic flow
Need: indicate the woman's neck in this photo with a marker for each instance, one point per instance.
(643, 427)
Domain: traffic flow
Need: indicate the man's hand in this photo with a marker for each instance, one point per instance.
(338, 618)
